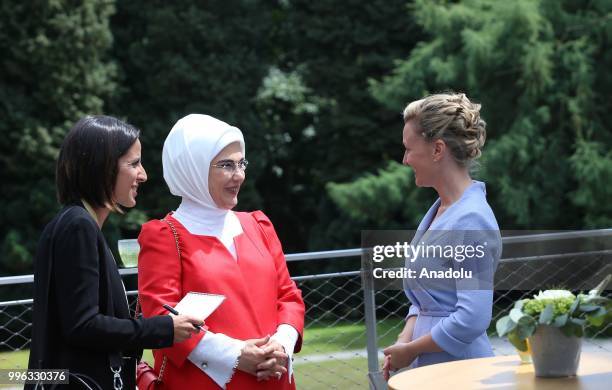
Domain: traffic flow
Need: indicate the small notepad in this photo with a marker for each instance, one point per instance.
(199, 305)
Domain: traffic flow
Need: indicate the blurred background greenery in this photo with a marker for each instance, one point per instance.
(318, 88)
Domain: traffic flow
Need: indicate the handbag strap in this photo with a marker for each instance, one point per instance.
(176, 237)
(178, 250)
(138, 309)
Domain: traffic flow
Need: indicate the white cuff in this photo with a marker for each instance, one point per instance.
(287, 336)
(217, 354)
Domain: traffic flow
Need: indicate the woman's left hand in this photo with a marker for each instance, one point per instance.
(275, 349)
(401, 354)
(276, 363)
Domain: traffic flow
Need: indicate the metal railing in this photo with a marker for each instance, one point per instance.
(348, 320)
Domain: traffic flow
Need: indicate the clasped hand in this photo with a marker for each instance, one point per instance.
(397, 356)
(263, 358)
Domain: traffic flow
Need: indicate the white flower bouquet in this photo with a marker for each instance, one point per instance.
(558, 308)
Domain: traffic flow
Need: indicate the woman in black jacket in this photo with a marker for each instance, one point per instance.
(81, 319)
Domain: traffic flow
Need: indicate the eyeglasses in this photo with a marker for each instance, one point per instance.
(230, 166)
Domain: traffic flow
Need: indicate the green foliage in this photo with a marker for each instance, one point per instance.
(289, 88)
(182, 57)
(294, 81)
(14, 248)
(558, 306)
(292, 75)
(55, 69)
(540, 70)
(289, 113)
(571, 314)
(592, 166)
(381, 198)
(317, 94)
(333, 53)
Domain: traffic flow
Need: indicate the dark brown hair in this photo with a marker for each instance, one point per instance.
(87, 163)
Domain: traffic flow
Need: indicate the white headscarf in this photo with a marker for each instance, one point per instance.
(192, 144)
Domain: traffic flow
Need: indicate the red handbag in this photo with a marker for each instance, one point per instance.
(146, 377)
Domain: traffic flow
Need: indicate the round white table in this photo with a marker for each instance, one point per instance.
(504, 372)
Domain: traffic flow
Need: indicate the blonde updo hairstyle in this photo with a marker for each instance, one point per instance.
(453, 118)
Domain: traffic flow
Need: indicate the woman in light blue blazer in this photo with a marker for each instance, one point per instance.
(443, 134)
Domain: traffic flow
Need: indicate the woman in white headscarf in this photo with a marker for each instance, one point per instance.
(251, 337)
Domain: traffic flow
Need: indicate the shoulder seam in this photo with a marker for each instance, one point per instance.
(260, 216)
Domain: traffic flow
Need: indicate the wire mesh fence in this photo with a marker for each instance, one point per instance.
(15, 325)
(335, 346)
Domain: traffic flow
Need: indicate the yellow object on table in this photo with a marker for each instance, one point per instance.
(504, 372)
(526, 355)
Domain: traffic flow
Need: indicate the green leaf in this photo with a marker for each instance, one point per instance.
(597, 300)
(588, 308)
(597, 319)
(560, 321)
(574, 306)
(547, 314)
(526, 327)
(518, 343)
(504, 325)
(516, 315)
(578, 321)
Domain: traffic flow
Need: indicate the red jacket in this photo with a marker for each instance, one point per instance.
(259, 292)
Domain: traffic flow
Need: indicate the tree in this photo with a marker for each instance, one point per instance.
(295, 82)
(55, 69)
(182, 57)
(540, 69)
(333, 53)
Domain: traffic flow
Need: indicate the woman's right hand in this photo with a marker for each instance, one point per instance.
(184, 327)
(252, 355)
(386, 368)
(405, 336)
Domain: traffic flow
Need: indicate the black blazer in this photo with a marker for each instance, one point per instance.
(81, 314)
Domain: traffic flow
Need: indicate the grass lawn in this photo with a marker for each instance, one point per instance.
(344, 337)
(17, 359)
(332, 374)
(320, 339)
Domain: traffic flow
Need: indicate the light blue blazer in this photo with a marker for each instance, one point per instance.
(457, 317)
